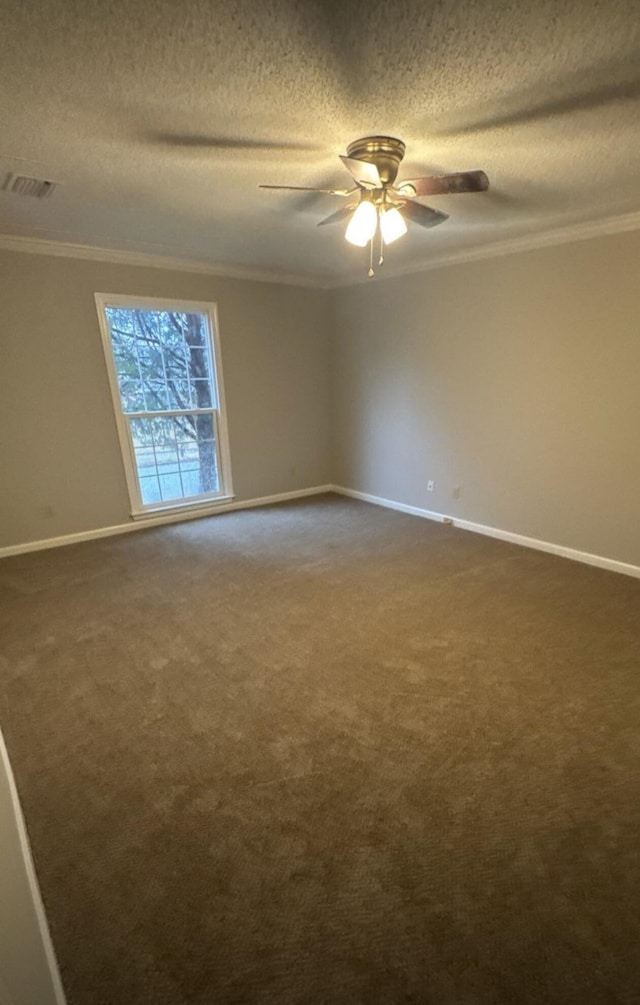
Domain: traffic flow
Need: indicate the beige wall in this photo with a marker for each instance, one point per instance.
(60, 461)
(516, 378)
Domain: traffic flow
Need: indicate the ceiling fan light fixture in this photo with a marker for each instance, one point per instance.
(362, 225)
(392, 225)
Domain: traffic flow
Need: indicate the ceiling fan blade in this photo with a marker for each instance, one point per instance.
(305, 188)
(445, 184)
(365, 174)
(423, 215)
(340, 214)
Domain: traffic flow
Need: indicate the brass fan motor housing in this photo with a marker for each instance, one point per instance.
(385, 152)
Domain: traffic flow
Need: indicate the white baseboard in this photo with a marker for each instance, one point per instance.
(47, 966)
(159, 521)
(611, 564)
(390, 504)
(600, 561)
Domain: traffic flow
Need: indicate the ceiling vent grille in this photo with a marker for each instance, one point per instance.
(22, 185)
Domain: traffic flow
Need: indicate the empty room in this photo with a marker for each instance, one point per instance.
(320, 506)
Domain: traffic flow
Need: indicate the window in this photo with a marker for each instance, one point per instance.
(164, 369)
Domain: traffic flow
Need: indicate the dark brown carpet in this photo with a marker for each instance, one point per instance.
(328, 753)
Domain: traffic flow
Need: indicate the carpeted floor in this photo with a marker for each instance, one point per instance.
(328, 753)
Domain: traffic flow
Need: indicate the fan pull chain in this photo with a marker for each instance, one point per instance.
(370, 272)
(381, 261)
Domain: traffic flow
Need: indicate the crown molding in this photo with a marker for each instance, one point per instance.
(511, 246)
(144, 259)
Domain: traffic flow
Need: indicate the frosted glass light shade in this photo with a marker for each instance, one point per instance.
(392, 225)
(362, 225)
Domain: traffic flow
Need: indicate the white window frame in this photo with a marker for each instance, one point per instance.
(140, 510)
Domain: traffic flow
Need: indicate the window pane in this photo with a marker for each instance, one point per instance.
(132, 395)
(155, 396)
(171, 486)
(201, 390)
(175, 457)
(199, 362)
(180, 394)
(150, 360)
(150, 490)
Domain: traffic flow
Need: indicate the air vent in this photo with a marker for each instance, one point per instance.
(22, 185)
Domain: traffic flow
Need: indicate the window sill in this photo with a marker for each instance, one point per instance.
(203, 506)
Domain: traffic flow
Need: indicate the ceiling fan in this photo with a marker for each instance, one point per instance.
(377, 202)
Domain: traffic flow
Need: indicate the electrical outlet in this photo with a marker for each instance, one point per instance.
(431, 485)
(455, 492)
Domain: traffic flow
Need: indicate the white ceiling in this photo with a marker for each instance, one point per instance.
(160, 119)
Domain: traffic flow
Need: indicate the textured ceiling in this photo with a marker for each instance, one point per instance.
(160, 119)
